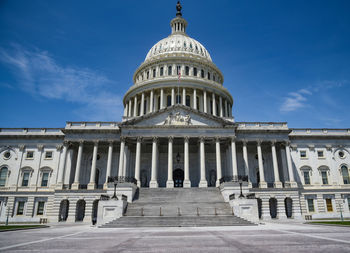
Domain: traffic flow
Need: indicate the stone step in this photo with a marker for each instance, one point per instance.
(181, 221)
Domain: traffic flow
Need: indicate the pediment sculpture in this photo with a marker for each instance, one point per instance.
(178, 119)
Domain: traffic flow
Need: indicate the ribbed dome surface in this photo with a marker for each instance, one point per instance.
(178, 43)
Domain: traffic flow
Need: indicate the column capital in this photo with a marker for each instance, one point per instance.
(81, 142)
(187, 138)
(95, 142)
(65, 143)
(233, 138)
(287, 143)
(217, 138)
(40, 147)
(155, 139)
(110, 142)
(259, 142)
(122, 138)
(171, 138)
(245, 142)
(59, 147)
(139, 139)
(273, 142)
(202, 138)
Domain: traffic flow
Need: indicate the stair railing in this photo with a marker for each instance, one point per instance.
(197, 211)
(160, 211)
(215, 212)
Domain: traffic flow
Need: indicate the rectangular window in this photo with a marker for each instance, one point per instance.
(147, 74)
(20, 208)
(25, 180)
(154, 73)
(178, 69)
(306, 177)
(3, 176)
(45, 179)
(310, 205)
(208, 76)
(303, 154)
(30, 155)
(170, 71)
(202, 73)
(195, 71)
(48, 155)
(324, 177)
(188, 100)
(169, 100)
(41, 207)
(329, 205)
(187, 70)
(161, 71)
(320, 154)
(214, 78)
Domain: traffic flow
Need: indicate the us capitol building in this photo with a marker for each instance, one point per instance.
(177, 131)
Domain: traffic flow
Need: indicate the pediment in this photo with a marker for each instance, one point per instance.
(178, 116)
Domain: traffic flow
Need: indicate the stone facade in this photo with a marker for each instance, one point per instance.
(177, 130)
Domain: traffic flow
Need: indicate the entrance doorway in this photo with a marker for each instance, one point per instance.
(178, 176)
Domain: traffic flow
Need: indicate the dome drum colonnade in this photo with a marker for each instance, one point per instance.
(178, 70)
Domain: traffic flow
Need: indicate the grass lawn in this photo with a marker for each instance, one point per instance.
(10, 227)
(342, 223)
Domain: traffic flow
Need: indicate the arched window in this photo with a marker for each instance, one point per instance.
(214, 78)
(345, 174)
(188, 100)
(191, 45)
(187, 70)
(195, 71)
(147, 74)
(170, 71)
(80, 210)
(3, 176)
(202, 73)
(161, 71)
(168, 100)
(154, 73)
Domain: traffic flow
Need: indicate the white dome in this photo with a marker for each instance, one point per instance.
(178, 43)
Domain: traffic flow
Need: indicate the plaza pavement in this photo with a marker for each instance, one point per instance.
(270, 237)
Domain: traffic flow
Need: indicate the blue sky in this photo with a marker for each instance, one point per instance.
(74, 60)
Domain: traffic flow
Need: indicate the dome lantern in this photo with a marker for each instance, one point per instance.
(178, 24)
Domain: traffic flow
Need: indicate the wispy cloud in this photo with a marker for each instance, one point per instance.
(299, 99)
(39, 74)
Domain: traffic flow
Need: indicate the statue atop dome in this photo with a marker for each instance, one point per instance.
(178, 9)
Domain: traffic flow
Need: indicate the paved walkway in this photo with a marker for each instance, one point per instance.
(270, 237)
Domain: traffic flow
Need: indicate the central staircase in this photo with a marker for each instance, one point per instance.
(178, 207)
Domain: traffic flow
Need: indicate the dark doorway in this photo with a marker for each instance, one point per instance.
(64, 208)
(80, 210)
(273, 208)
(288, 204)
(259, 207)
(178, 176)
(94, 211)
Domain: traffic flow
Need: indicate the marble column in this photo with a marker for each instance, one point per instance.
(135, 106)
(92, 184)
(187, 182)
(172, 96)
(130, 105)
(121, 156)
(75, 185)
(205, 104)
(195, 99)
(214, 104)
(151, 100)
(109, 163)
(245, 159)
(142, 104)
(203, 182)
(183, 96)
(161, 98)
(170, 181)
(292, 182)
(138, 161)
(154, 183)
(218, 162)
(221, 107)
(262, 183)
(62, 169)
(277, 183)
(234, 157)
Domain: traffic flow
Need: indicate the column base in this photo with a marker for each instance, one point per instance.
(293, 184)
(217, 183)
(153, 184)
(75, 186)
(203, 184)
(59, 187)
(278, 184)
(91, 186)
(170, 184)
(105, 186)
(262, 185)
(138, 183)
(187, 184)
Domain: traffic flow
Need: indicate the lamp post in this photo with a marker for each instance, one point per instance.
(115, 190)
(240, 186)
